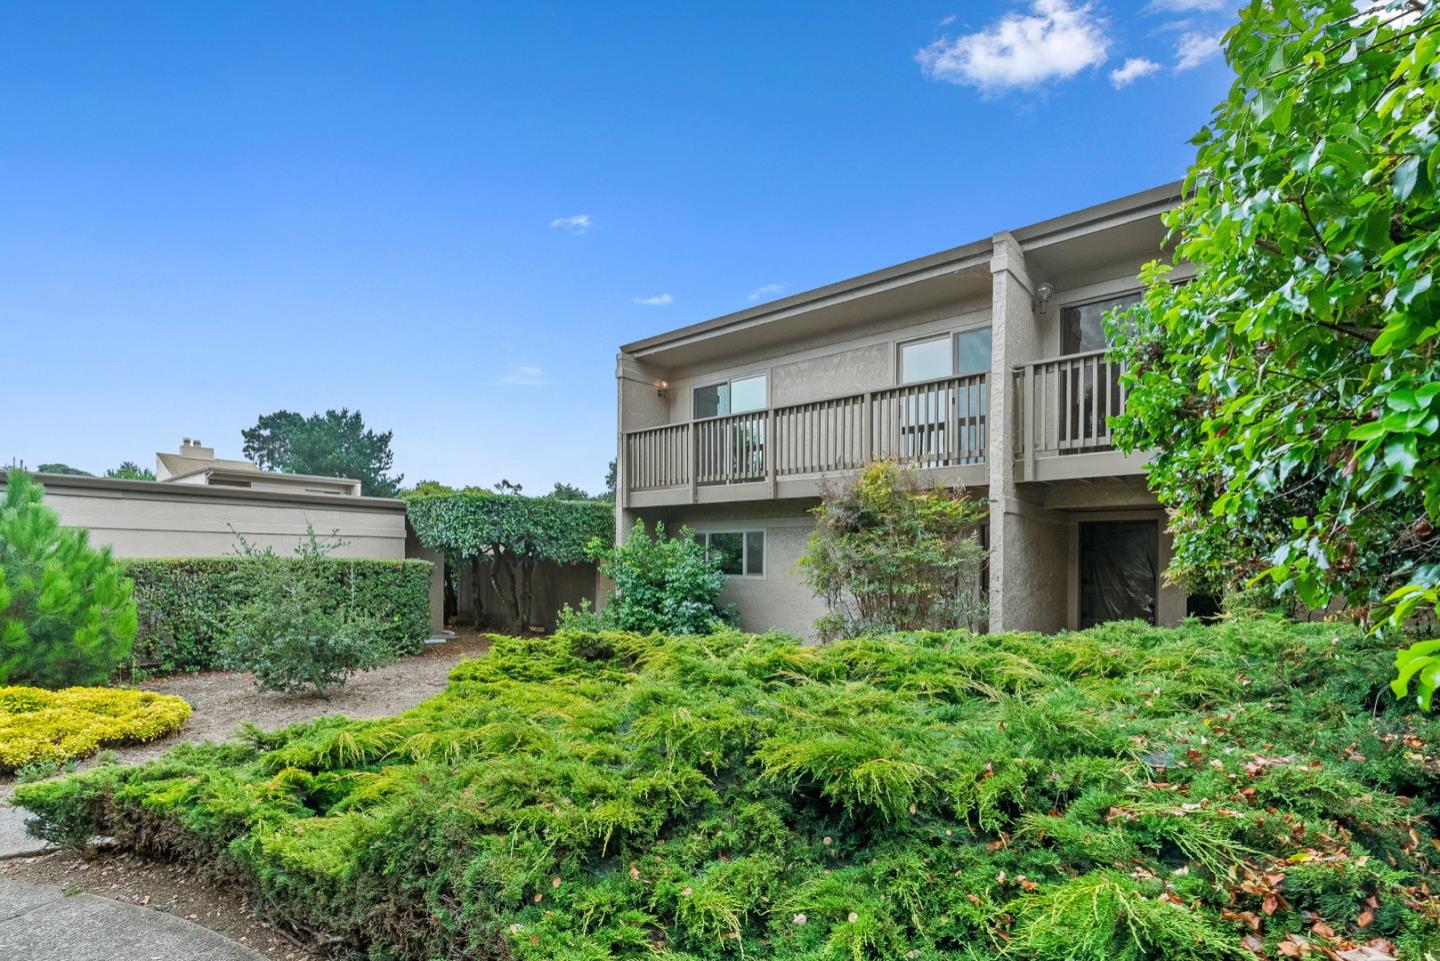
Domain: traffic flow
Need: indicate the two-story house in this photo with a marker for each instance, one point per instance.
(984, 364)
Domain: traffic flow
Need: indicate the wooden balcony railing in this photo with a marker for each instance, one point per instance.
(658, 457)
(1065, 404)
(940, 423)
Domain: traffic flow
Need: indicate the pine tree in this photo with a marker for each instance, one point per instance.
(66, 612)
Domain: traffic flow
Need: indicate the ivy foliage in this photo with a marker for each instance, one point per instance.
(1291, 390)
(511, 531)
(1128, 792)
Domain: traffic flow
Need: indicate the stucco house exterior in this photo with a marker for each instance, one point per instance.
(983, 364)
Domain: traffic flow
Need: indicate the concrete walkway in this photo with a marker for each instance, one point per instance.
(38, 922)
(14, 842)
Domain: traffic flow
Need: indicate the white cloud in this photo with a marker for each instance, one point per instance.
(1196, 48)
(659, 300)
(766, 292)
(577, 224)
(1055, 40)
(525, 375)
(1186, 6)
(1132, 70)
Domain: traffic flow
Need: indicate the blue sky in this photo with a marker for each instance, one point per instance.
(450, 215)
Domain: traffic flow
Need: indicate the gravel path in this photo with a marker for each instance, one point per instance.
(222, 702)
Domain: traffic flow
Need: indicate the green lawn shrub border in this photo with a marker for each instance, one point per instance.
(1121, 794)
(183, 603)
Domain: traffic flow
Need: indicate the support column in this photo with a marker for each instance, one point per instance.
(1029, 545)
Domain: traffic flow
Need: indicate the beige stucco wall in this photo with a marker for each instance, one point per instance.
(150, 519)
(826, 364)
(779, 600)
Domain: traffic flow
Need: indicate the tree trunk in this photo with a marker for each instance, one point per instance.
(506, 582)
(477, 596)
(527, 576)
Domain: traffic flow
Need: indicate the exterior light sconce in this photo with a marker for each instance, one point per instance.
(1043, 293)
(660, 388)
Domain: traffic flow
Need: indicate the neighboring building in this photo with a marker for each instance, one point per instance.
(198, 504)
(984, 364)
(199, 465)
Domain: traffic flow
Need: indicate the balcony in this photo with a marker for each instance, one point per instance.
(1063, 411)
(939, 425)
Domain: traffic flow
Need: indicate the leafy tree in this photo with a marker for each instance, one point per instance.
(293, 636)
(1291, 390)
(568, 492)
(891, 553)
(66, 612)
(661, 584)
(333, 444)
(610, 481)
(509, 535)
(129, 470)
(62, 469)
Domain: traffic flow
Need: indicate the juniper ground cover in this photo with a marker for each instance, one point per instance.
(1122, 793)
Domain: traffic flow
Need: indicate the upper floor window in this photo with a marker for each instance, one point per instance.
(925, 360)
(972, 351)
(967, 352)
(1082, 327)
(730, 397)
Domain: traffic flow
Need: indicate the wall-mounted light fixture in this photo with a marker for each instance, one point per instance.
(1043, 293)
(660, 388)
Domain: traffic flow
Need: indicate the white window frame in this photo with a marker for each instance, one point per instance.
(744, 549)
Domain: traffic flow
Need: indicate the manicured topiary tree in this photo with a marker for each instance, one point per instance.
(66, 614)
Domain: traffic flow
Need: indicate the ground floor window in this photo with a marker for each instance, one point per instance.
(739, 553)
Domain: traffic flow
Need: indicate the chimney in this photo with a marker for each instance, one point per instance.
(190, 447)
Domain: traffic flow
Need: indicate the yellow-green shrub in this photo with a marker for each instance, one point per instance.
(38, 725)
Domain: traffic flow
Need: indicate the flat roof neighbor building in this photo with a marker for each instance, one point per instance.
(985, 365)
(198, 504)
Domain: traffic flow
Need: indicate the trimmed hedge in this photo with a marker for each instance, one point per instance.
(183, 603)
(1125, 793)
(75, 722)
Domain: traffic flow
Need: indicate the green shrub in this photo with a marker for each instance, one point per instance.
(295, 634)
(183, 603)
(891, 552)
(661, 584)
(66, 611)
(41, 731)
(1114, 793)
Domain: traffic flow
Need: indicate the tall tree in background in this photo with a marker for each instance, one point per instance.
(333, 444)
(568, 492)
(610, 478)
(1291, 390)
(62, 469)
(129, 470)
